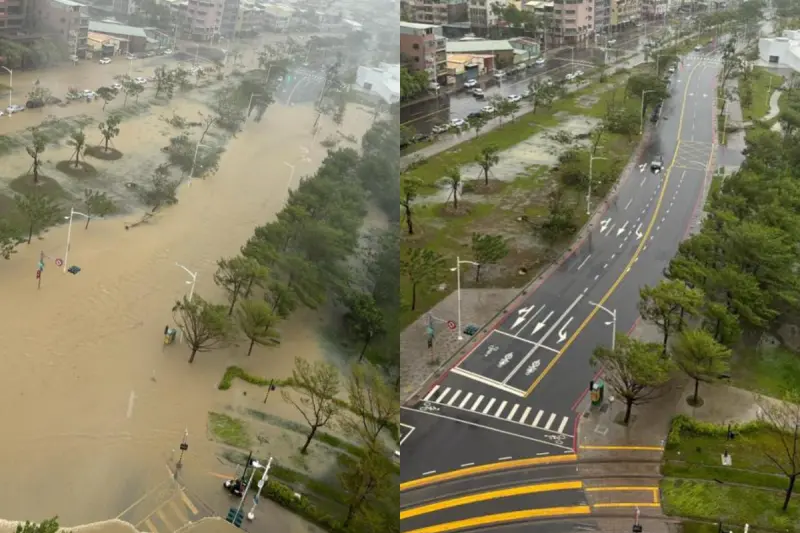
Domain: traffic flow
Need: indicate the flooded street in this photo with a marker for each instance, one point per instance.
(93, 403)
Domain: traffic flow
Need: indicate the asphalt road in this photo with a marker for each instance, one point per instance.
(557, 65)
(525, 376)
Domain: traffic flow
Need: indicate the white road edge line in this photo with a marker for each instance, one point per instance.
(584, 261)
(487, 381)
(405, 437)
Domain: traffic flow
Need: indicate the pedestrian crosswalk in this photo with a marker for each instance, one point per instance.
(701, 58)
(503, 409)
(171, 514)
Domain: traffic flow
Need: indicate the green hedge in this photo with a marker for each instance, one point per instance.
(284, 496)
(234, 372)
(683, 424)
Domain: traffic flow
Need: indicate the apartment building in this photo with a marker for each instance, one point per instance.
(423, 47)
(425, 11)
(66, 20)
(652, 9)
(625, 13)
(481, 15)
(572, 22)
(203, 19)
(13, 14)
(125, 7)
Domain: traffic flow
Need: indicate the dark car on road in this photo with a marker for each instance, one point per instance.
(34, 103)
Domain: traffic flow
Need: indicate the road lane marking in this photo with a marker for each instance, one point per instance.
(563, 425)
(620, 505)
(164, 520)
(488, 406)
(500, 518)
(486, 381)
(538, 417)
(500, 410)
(442, 395)
(466, 465)
(488, 468)
(584, 262)
(188, 503)
(429, 472)
(490, 495)
(430, 393)
(477, 403)
(465, 400)
(182, 516)
(625, 448)
(514, 336)
(454, 398)
(636, 253)
(513, 411)
(150, 526)
(508, 458)
(525, 415)
(550, 421)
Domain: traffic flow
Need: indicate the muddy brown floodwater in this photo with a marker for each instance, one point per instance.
(86, 428)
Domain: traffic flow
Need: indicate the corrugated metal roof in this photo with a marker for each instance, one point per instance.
(118, 29)
(465, 47)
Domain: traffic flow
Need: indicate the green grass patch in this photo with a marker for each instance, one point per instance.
(771, 371)
(229, 430)
(732, 504)
(763, 84)
(726, 474)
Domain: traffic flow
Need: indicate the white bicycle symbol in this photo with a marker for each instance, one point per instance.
(428, 408)
(558, 439)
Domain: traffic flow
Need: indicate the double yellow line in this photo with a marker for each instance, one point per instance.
(635, 255)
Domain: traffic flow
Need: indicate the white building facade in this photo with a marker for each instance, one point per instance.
(781, 51)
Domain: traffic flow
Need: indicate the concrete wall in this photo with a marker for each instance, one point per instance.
(781, 51)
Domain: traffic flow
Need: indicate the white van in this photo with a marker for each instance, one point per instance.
(499, 75)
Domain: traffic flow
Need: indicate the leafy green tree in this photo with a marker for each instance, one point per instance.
(161, 190)
(237, 276)
(205, 325)
(77, 139)
(363, 480)
(35, 150)
(8, 239)
(257, 322)
(317, 384)
(477, 123)
(48, 526)
(700, 357)
(634, 370)
(784, 418)
(164, 81)
(109, 129)
(487, 159)
(487, 250)
(560, 220)
(107, 94)
(667, 304)
(453, 176)
(410, 190)
(281, 298)
(374, 404)
(132, 88)
(422, 266)
(363, 320)
(39, 211)
(97, 204)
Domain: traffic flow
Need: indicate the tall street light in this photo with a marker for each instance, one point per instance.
(589, 192)
(261, 482)
(256, 465)
(72, 214)
(641, 118)
(194, 162)
(10, 84)
(457, 270)
(191, 282)
(613, 323)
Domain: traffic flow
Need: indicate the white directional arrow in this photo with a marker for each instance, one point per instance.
(522, 315)
(532, 367)
(604, 224)
(621, 230)
(562, 333)
(639, 233)
(543, 323)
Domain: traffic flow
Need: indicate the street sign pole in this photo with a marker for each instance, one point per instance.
(184, 446)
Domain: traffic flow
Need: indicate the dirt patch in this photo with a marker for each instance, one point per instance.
(587, 101)
(98, 152)
(480, 187)
(81, 170)
(24, 185)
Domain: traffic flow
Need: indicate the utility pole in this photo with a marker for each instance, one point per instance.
(261, 482)
(184, 446)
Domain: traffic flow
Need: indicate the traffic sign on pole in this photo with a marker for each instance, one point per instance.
(451, 324)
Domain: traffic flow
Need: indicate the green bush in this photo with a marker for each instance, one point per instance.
(284, 496)
(683, 424)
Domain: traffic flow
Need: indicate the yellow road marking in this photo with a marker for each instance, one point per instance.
(188, 503)
(182, 516)
(150, 527)
(636, 253)
(483, 469)
(491, 495)
(620, 489)
(164, 520)
(624, 448)
(221, 476)
(613, 505)
(144, 496)
(505, 517)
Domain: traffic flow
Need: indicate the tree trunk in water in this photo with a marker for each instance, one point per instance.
(628, 409)
(191, 357)
(107, 139)
(696, 390)
(30, 234)
(789, 491)
(455, 198)
(486, 176)
(308, 440)
(477, 273)
(88, 219)
(413, 293)
(233, 302)
(409, 222)
(250, 349)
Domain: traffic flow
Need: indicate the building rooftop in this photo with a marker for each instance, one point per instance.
(116, 29)
(465, 47)
(417, 25)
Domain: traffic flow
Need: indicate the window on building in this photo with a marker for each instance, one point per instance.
(415, 46)
(416, 59)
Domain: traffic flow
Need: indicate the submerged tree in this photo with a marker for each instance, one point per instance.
(37, 146)
(205, 325)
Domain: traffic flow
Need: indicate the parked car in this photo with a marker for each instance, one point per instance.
(474, 114)
(105, 61)
(499, 75)
(527, 93)
(478, 93)
(433, 86)
(611, 42)
(657, 165)
(34, 103)
(130, 56)
(489, 109)
(470, 84)
(539, 62)
(578, 73)
(140, 80)
(513, 98)
(116, 86)
(458, 123)
(439, 128)
(569, 77)
(14, 108)
(168, 52)
(698, 48)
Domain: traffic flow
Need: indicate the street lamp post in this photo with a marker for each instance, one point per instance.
(589, 192)
(256, 465)
(261, 482)
(72, 213)
(10, 84)
(193, 282)
(291, 175)
(457, 270)
(194, 162)
(613, 323)
(641, 118)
